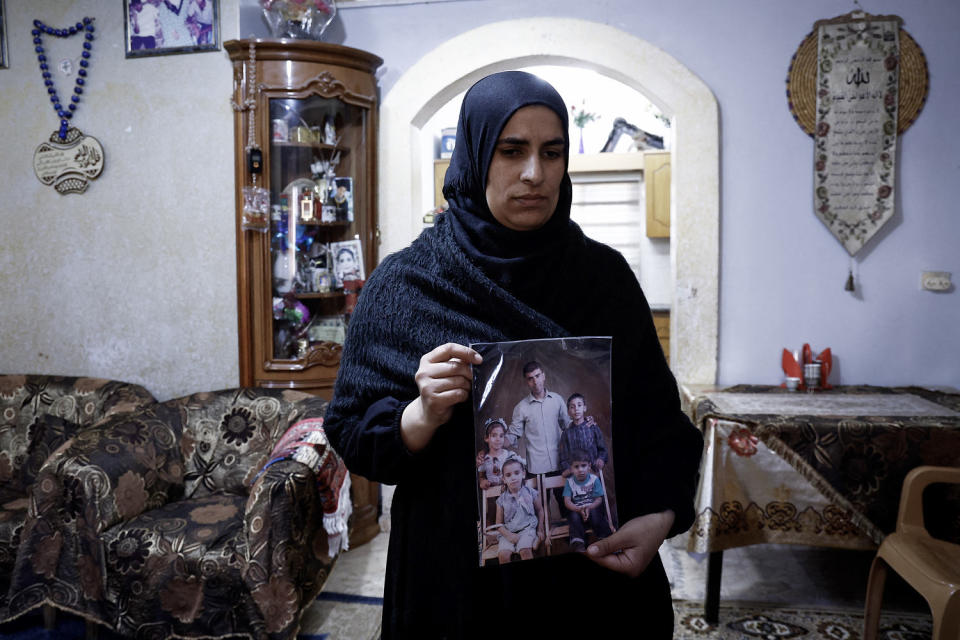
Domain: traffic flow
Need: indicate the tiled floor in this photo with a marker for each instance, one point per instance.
(360, 571)
(786, 574)
(763, 573)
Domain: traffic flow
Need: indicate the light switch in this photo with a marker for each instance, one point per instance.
(935, 280)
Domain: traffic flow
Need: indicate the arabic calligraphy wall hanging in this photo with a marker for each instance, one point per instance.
(69, 159)
(855, 82)
(856, 132)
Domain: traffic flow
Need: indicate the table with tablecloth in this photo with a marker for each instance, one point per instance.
(822, 468)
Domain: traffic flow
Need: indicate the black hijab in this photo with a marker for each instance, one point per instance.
(523, 262)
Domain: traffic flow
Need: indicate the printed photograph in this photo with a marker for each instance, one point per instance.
(347, 259)
(161, 27)
(542, 415)
(343, 198)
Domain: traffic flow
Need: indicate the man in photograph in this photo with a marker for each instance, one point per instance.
(538, 420)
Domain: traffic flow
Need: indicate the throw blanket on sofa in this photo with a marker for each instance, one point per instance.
(307, 443)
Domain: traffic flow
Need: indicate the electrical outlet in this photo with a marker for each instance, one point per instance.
(935, 280)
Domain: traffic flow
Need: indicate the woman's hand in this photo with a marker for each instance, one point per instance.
(630, 549)
(444, 380)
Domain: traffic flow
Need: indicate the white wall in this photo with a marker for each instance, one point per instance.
(782, 273)
(136, 278)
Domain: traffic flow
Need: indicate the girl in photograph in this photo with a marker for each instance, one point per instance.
(490, 462)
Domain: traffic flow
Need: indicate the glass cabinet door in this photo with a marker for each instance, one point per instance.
(316, 171)
(305, 152)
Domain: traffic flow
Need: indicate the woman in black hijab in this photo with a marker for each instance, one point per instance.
(506, 263)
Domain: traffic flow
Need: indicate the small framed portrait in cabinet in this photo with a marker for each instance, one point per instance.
(347, 259)
(343, 198)
(161, 27)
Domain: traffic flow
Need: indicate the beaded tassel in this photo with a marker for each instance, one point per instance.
(85, 27)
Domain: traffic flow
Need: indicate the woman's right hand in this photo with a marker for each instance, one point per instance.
(444, 379)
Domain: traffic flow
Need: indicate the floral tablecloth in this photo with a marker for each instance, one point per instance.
(823, 468)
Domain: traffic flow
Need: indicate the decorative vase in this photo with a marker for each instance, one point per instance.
(300, 19)
(581, 139)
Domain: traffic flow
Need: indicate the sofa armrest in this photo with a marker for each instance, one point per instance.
(287, 545)
(115, 470)
(105, 474)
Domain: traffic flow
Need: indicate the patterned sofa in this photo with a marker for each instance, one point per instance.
(148, 523)
(38, 413)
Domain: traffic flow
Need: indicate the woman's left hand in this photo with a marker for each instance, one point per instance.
(631, 548)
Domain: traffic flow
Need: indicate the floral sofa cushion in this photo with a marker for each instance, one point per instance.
(227, 437)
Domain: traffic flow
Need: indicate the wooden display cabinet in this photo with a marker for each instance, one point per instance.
(311, 109)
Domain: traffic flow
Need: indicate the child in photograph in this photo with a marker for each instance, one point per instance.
(145, 25)
(583, 495)
(583, 433)
(200, 21)
(490, 464)
(519, 515)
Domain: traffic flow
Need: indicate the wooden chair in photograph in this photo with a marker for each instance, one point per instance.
(553, 529)
(606, 503)
(488, 517)
(929, 565)
(488, 525)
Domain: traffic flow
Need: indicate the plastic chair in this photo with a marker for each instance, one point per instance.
(929, 565)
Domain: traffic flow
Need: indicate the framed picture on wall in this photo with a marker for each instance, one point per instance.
(162, 27)
(3, 36)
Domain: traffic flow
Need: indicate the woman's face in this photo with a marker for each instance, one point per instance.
(346, 262)
(528, 165)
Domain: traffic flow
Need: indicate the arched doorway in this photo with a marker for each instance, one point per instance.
(695, 192)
